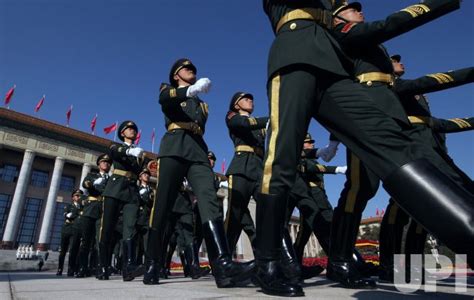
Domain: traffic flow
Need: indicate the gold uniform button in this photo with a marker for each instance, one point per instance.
(293, 26)
(369, 83)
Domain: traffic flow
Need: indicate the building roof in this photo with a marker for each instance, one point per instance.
(30, 124)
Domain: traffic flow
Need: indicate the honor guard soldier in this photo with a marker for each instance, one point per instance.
(146, 203)
(248, 135)
(373, 69)
(432, 131)
(310, 76)
(183, 153)
(121, 194)
(94, 183)
(70, 234)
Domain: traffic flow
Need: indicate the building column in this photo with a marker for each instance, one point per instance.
(18, 201)
(86, 168)
(45, 233)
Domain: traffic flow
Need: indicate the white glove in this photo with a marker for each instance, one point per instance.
(203, 85)
(98, 181)
(134, 151)
(142, 191)
(327, 153)
(69, 215)
(341, 170)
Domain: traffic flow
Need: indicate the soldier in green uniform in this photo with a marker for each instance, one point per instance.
(432, 131)
(146, 203)
(248, 135)
(183, 153)
(310, 76)
(315, 209)
(94, 183)
(70, 234)
(121, 194)
(373, 69)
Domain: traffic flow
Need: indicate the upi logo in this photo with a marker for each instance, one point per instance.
(432, 271)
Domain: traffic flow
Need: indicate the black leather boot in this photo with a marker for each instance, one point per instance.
(195, 270)
(103, 271)
(152, 274)
(59, 272)
(341, 265)
(226, 272)
(271, 210)
(130, 268)
(418, 186)
(289, 263)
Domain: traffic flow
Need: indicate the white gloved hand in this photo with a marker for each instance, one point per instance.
(134, 151)
(98, 181)
(203, 85)
(327, 153)
(142, 191)
(341, 170)
(69, 215)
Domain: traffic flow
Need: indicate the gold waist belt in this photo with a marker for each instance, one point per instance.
(320, 16)
(420, 120)
(189, 126)
(128, 174)
(92, 198)
(376, 76)
(247, 148)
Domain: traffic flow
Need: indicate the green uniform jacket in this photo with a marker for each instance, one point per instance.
(313, 172)
(308, 44)
(179, 108)
(362, 42)
(93, 208)
(249, 131)
(72, 221)
(121, 187)
(146, 204)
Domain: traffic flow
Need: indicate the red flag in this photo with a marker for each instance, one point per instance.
(9, 95)
(223, 166)
(93, 123)
(377, 213)
(68, 115)
(40, 103)
(110, 128)
(137, 139)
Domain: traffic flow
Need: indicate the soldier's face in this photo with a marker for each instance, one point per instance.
(398, 68)
(104, 166)
(352, 15)
(246, 104)
(145, 178)
(129, 133)
(308, 146)
(212, 163)
(76, 198)
(186, 75)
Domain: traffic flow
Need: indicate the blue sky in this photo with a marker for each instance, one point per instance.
(109, 57)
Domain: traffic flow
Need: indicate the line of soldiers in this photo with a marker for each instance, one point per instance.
(326, 63)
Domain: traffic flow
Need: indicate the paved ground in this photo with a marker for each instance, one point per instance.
(45, 285)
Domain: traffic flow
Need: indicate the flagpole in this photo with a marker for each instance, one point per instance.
(115, 134)
(153, 142)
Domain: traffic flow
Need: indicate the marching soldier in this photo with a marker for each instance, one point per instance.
(121, 194)
(431, 130)
(183, 153)
(248, 135)
(373, 69)
(146, 203)
(94, 183)
(316, 209)
(70, 234)
(309, 76)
